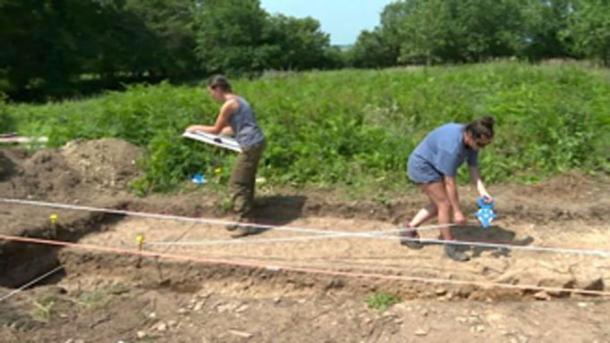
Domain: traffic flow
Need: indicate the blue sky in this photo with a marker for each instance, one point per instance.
(342, 19)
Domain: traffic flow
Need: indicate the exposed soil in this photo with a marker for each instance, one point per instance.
(104, 297)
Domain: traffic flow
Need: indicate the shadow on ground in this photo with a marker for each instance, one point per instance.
(279, 209)
(492, 235)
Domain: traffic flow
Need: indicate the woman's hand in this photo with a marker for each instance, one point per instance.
(487, 198)
(459, 217)
(194, 128)
(227, 131)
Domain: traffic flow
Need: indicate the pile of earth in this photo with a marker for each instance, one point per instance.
(80, 167)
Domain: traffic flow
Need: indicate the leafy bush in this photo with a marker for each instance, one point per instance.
(357, 127)
(6, 121)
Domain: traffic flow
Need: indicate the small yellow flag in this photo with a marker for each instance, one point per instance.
(53, 218)
(140, 239)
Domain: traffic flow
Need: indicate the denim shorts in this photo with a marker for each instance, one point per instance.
(421, 171)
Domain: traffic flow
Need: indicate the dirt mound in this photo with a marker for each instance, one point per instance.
(96, 173)
(103, 162)
(46, 174)
(79, 167)
(5, 166)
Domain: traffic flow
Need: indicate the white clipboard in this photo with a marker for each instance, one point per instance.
(217, 140)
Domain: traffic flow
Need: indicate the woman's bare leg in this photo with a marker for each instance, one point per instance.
(409, 237)
(438, 196)
(423, 215)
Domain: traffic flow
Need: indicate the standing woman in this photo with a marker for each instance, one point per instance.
(237, 118)
(433, 166)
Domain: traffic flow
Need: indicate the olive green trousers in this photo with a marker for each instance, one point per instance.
(243, 180)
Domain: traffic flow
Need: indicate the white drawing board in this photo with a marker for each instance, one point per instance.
(217, 140)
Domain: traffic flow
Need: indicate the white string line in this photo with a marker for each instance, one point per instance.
(256, 240)
(198, 220)
(15, 291)
(560, 250)
(179, 237)
(589, 252)
(285, 268)
(364, 234)
(601, 253)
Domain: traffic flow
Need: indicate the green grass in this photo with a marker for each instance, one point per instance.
(355, 128)
(382, 301)
(101, 296)
(7, 123)
(43, 309)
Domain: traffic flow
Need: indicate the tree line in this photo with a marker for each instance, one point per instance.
(56, 48)
(466, 31)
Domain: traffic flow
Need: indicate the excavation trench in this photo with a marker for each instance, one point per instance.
(191, 257)
(197, 284)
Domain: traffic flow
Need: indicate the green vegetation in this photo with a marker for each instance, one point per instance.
(6, 121)
(55, 49)
(353, 127)
(43, 308)
(458, 31)
(100, 297)
(589, 29)
(382, 301)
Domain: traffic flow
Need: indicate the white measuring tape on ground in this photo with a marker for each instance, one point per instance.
(378, 234)
(216, 140)
(325, 233)
(209, 220)
(383, 235)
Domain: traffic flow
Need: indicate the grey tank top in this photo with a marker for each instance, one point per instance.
(243, 123)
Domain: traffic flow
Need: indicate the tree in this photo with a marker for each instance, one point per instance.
(49, 44)
(425, 32)
(544, 22)
(372, 50)
(461, 30)
(238, 36)
(171, 23)
(299, 43)
(61, 47)
(381, 46)
(454, 31)
(229, 36)
(38, 49)
(589, 30)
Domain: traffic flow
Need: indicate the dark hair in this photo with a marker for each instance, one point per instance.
(219, 81)
(482, 128)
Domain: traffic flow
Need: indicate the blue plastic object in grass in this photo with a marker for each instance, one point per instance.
(199, 179)
(486, 213)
